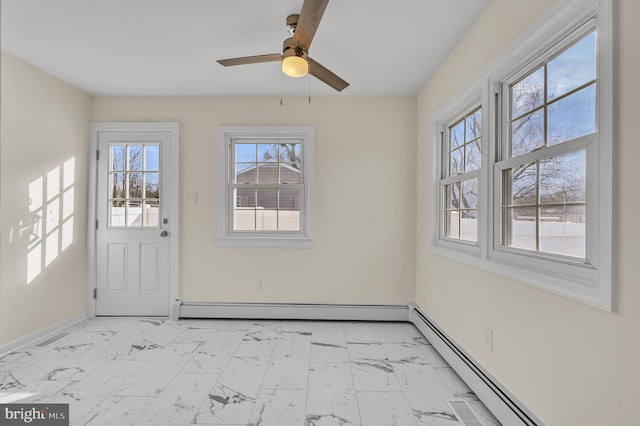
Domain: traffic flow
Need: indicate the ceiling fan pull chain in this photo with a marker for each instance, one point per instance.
(280, 89)
(309, 79)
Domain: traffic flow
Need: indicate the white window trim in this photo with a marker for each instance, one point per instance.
(592, 285)
(228, 238)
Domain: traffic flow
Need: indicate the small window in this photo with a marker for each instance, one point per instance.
(266, 195)
(462, 161)
(134, 180)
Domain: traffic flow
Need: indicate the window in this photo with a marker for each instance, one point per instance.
(461, 166)
(533, 178)
(551, 120)
(134, 179)
(266, 193)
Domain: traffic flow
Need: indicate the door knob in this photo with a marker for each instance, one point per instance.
(164, 234)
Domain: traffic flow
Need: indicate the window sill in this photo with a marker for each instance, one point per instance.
(593, 294)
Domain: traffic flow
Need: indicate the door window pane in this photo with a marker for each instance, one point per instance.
(134, 182)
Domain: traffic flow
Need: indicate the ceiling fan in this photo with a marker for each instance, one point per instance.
(295, 59)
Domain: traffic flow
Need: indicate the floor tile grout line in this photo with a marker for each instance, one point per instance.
(404, 395)
(353, 381)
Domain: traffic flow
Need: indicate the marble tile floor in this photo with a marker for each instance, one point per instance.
(148, 371)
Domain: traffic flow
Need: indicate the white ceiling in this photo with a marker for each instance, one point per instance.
(170, 47)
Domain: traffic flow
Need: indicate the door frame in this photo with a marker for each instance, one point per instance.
(172, 203)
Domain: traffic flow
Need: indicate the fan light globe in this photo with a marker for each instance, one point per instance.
(295, 66)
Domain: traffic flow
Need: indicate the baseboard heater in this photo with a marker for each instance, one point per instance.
(306, 311)
(505, 406)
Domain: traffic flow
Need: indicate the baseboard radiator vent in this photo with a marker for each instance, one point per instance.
(505, 406)
(306, 311)
(464, 413)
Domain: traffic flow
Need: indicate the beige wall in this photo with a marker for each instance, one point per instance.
(44, 127)
(365, 198)
(569, 363)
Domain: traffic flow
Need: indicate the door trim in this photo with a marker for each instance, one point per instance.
(173, 203)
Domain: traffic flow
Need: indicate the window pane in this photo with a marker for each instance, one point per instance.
(267, 173)
(245, 173)
(135, 157)
(152, 158)
(290, 173)
(134, 213)
(456, 162)
(118, 158)
(521, 222)
(289, 152)
(244, 219)
(452, 195)
(135, 185)
(117, 185)
(527, 133)
(267, 152)
(469, 225)
(152, 185)
(289, 199)
(452, 224)
(245, 153)
(267, 199)
(572, 68)
(563, 230)
(473, 156)
(117, 213)
(245, 198)
(564, 178)
(573, 116)
(289, 220)
(456, 136)
(521, 184)
(469, 194)
(528, 93)
(473, 126)
(151, 213)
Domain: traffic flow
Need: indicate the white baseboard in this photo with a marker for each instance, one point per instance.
(39, 335)
(299, 311)
(502, 403)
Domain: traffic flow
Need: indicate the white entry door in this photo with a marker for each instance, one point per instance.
(133, 228)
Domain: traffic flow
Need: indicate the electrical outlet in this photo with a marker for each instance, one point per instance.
(260, 285)
(488, 338)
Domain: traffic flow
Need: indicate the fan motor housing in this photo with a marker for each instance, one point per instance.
(290, 49)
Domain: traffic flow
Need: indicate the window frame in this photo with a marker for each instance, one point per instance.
(226, 236)
(590, 281)
(454, 114)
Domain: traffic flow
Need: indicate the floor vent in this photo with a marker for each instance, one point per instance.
(465, 414)
(50, 340)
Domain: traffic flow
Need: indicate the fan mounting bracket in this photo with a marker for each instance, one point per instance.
(292, 23)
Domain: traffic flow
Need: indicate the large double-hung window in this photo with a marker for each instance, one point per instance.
(534, 178)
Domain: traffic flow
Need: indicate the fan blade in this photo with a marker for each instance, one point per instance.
(310, 15)
(323, 74)
(250, 60)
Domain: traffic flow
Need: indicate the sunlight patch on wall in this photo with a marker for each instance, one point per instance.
(50, 221)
